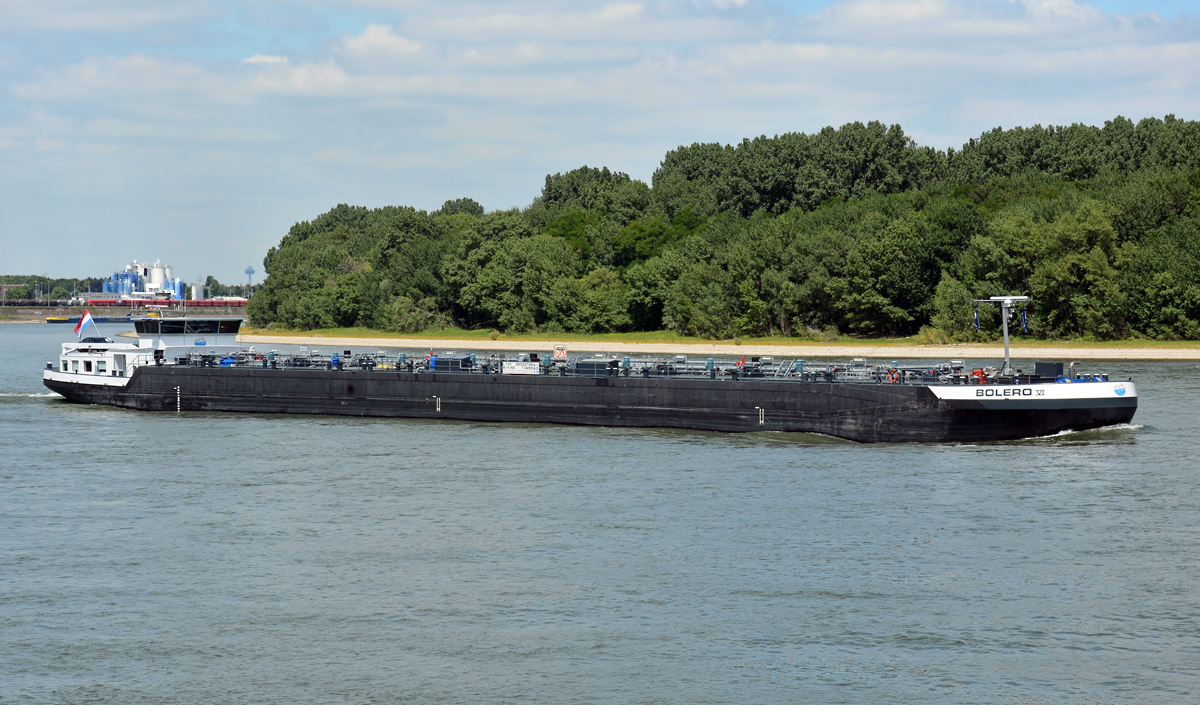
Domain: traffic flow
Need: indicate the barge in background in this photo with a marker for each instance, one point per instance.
(195, 364)
(97, 319)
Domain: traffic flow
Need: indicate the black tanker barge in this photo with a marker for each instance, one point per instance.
(192, 364)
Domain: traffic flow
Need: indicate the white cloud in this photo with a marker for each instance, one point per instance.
(312, 79)
(484, 98)
(618, 22)
(379, 41)
(884, 58)
(97, 15)
(265, 59)
(619, 12)
(108, 80)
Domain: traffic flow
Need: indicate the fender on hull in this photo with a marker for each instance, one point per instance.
(867, 413)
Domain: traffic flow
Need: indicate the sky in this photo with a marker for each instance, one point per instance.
(198, 132)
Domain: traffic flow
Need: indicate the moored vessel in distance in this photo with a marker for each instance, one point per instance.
(194, 364)
(97, 319)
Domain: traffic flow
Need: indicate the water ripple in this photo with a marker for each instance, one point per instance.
(163, 558)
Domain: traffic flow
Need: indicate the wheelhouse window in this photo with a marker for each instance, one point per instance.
(87, 365)
(64, 365)
(74, 365)
(200, 327)
(101, 366)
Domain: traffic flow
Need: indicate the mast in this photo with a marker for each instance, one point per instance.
(1007, 370)
(1006, 306)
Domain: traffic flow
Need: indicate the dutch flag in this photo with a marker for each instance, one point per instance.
(83, 323)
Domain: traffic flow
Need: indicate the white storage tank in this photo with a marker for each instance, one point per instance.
(158, 276)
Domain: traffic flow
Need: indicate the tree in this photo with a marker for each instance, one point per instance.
(610, 193)
(855, 228)
(953, 307)
(465, 206)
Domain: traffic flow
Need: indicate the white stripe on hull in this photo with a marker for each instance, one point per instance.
(1041, 392)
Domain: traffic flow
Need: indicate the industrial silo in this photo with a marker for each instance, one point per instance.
(158, 276)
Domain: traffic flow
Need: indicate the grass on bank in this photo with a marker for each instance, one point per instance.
(672, 338)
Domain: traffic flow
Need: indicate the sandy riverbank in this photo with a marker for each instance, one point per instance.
(799, 349)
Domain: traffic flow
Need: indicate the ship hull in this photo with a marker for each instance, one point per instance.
(869, 413)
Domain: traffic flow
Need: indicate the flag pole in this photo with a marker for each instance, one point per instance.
(91, 322)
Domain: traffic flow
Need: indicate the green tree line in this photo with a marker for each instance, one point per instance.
(855, 230)
(50, 288)
(216, 288)
(57, 289)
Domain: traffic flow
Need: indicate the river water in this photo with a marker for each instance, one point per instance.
(164, 558)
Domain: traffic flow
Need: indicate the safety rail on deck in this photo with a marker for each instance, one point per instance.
(856, 372)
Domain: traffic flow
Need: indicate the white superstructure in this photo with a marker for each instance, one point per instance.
(102, 361)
